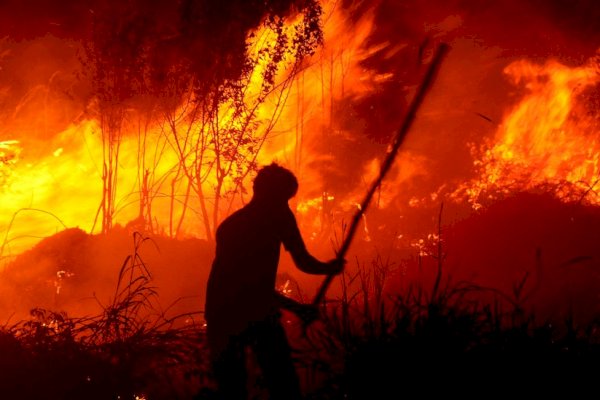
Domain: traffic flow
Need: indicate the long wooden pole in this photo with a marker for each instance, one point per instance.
(387, 163)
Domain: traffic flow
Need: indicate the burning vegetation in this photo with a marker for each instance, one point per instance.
(131, 129)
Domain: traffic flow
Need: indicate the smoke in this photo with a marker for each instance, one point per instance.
(50, 51)
(467, 104)
(471, 95)
(210, 37)
(32, 19)
(53, 54)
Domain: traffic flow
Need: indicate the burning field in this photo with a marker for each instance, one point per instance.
(131, 129)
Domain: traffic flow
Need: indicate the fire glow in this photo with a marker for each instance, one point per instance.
(161, 173)
(447, 150)
(548, 139)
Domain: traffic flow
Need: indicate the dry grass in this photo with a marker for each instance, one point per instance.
(130, 349)
(369, 344)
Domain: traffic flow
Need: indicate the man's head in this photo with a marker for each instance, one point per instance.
(275, 183)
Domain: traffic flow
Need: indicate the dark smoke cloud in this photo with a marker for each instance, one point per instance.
(30, 19)
(510, 24)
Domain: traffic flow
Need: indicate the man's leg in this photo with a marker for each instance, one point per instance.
(273, 355)
(229, 369)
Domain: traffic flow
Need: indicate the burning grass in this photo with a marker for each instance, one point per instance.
(129, 351)
(371, 342)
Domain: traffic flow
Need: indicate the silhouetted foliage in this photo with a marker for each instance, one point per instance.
(198, 63)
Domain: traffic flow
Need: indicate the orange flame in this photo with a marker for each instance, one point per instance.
(548, 141)
(62, 187)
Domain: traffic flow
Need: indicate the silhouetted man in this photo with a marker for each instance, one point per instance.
(242, 305)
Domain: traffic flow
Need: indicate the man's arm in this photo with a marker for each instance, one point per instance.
(306, 312)
(307, 263)
(292, 241)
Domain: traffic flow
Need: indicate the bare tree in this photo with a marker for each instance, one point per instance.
(219, 136)
(115, 61)
(206, 82)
